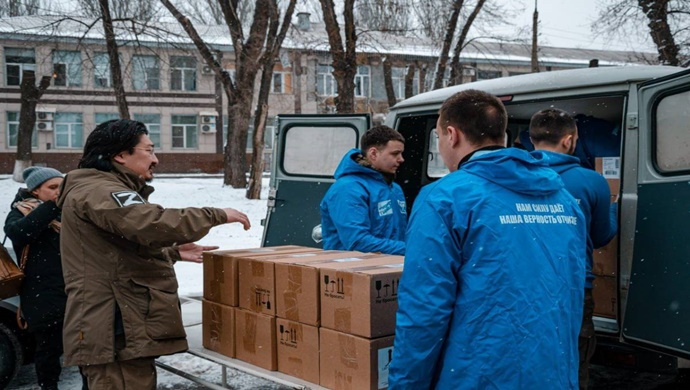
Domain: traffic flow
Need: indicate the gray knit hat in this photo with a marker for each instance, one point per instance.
(35, 176)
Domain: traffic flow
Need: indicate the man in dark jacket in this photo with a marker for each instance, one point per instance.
(365, 210)
(491, 294)
(554, 135)
(118, 252)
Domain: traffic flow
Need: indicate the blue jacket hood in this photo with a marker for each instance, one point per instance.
(559, 162)
(349, 166)
(531, 178)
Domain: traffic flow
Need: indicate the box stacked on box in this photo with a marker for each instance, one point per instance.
(605, 264)
(277, 297)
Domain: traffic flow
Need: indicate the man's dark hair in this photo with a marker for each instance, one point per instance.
(109, 139)
(550, 126)
(378, 136)
(479, 115)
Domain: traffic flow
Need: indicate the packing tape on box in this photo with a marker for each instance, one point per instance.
(216, 328)
(258, 268)
(343, 319)
(348, 351)
(290, 296)
(249, 336)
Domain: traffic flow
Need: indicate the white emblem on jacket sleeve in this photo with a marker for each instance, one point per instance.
(127, 198)
(385, 208)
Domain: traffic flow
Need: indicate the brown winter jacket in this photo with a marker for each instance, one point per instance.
(116, 251)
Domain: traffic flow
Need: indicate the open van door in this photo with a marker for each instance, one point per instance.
(308, 150)
(657, 309)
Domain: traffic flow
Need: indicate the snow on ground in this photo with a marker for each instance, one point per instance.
(195, 191)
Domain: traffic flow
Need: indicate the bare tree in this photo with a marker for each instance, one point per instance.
(11, 8)
(240, 91)
(667, 22)
(274, 41)
(30, 95)
(121, 9)
(114, 58)
(344, 55)
(209, 11)
(388, 82)
(391, 16)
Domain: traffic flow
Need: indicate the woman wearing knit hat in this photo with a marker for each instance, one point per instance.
(34, 222)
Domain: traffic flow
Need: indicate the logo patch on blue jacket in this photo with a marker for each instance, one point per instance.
(403, 207)
(128, 198)
(385, 208)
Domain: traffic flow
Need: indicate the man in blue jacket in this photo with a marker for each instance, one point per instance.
(554, 135)
(365, 210)
(491, 294)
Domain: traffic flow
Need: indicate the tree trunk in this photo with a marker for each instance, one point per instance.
(30, 95)
(254, 190)
(114, 58)
(409, 80)
(455, 66)
(388, 82)
(447, 41)
(422, 78)
(657, 13)
(236, 149)
(344, 57)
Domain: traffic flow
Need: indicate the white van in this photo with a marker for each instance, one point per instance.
(637, 117)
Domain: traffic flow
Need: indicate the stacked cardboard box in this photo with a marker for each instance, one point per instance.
(219, 306)
(605, 265)
(275, 298)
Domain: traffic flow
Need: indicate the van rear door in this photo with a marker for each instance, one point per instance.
(308, 150)
(657, 308)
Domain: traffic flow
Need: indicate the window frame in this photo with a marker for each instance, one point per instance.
(330, 86)
(138, 65)
(186, 127)
(21, 65)
(75, 138)
(177, 70)
(72, 69)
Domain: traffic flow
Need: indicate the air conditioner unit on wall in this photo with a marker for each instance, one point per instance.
(44, 118)
(207, 121)
(44, 125)
(206, 70)
(468, 71)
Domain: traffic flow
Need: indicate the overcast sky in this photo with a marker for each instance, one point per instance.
(567, 23)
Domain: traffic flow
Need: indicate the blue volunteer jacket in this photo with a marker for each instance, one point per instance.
(362, 212)
(592, 193)
(492, 290)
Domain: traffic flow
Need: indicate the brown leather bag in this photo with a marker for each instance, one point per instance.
(11, 275)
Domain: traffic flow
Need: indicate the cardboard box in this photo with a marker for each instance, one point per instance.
(605, 261)
(605, 293)
(606, 258)
(255, 341)
(257, 281)
(351, 362)
(610, 168)
(298, 349)
(220, 270)
(361, 301)
(218, 327)
(297, 286)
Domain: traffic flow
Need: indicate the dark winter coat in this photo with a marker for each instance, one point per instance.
(118, 251)
(42, 294)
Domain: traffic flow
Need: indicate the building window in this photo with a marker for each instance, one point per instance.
(13, 131)
(101, 70)
(17, 60)
(398, 75)
(145, 72)
(184, 131)
(182, 73)
(363, 81)
(105, 116)
(325, 82)
(282, 82)
(69, 130)
(488, 74)
(153, 125)
(66, 68)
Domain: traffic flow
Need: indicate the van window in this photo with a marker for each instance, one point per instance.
(672, 133)
(435, 166)
(316, 151)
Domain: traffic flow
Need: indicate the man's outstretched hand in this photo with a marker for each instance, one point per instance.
(237, 216)
(193, 252)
